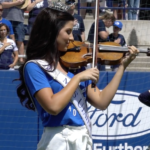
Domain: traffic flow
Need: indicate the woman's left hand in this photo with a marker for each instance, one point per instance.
(11, 65)
(133, 51)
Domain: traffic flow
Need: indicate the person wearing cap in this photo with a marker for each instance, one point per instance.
(115, 36)
(78, 28)
(14, 12)
(34, 8)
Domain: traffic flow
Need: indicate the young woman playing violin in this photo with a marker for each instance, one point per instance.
(58, 95)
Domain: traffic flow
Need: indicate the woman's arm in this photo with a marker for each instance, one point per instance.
(55, 103)
(104, 34)
(15, 59)
(83, 36)
(31, 5)
(102, 99)
(12, 4)
(4, 46)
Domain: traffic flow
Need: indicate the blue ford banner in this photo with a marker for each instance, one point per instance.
(124, 125)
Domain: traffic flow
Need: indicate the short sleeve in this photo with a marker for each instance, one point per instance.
(14, 46)
(35, 78)
(10, 28)
(101, 26)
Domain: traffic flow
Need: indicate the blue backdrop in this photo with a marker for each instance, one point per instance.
(20, 129)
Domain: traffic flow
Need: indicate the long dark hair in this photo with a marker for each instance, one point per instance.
(42, 45)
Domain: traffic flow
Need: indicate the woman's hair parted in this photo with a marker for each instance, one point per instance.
(42, 45)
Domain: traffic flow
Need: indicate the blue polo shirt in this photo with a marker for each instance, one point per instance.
(36, 79)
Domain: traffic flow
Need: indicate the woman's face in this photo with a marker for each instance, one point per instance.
(65, 36)
(3, 32)
(108, 23)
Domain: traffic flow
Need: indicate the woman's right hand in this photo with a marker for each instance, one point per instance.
(89, 74)
(7, 44)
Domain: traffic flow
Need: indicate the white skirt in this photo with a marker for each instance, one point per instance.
(65, 138)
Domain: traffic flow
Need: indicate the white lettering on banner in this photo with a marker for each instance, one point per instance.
(125, 118)
(77, 99)
(125, 146)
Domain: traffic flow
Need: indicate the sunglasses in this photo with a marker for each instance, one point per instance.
(1, 9)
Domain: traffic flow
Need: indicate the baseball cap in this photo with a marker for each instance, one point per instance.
(118, 24)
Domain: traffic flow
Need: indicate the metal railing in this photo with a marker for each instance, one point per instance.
(112, 8)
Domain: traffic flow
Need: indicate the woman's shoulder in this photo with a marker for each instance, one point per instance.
(11, 41)
(101, 21)
(31, 66)
(33, 70)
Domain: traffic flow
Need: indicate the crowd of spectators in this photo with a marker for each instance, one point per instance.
(129, 5)
(12, 14)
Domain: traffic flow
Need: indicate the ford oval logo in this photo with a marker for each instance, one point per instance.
(126, 117)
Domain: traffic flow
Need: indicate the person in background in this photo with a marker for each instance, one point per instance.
(132, 13)
(78, 28)
(58, 94)
(144, 14)
(7, 48)
(106, 20)
(117, 38)
(12, 11)
(8, 23)
(118, 13)
(145, 98)
(34, 8)
(91, 3)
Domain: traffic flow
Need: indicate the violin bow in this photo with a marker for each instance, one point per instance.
(95, 43)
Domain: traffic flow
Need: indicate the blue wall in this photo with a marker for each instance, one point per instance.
(20, 129)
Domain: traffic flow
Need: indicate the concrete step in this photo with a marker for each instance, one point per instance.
(139, 69)
(140, 64)
(142, 59)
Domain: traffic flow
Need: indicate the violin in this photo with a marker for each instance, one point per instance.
(80, 54)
